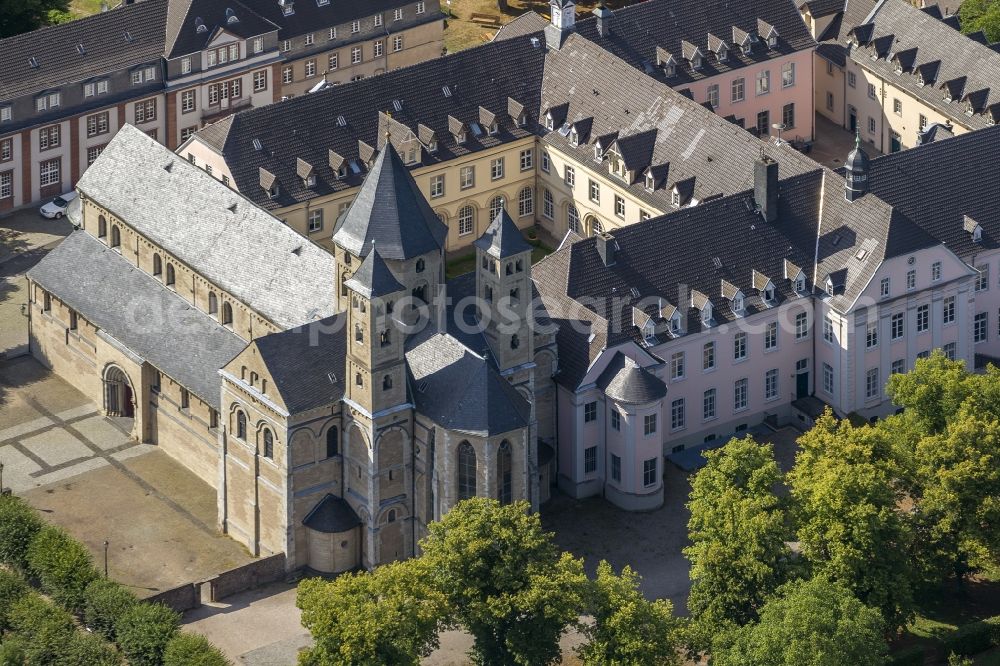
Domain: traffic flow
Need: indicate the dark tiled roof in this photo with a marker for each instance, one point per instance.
(528, 23)
(820, 8)
(502, 238)
(625, 381)
(307, 363)
(390, 210)
(331, 515)
(137, 311)
(185, 16)
(373, 278)
(638, 30)
(310, 16)
(833, 52)
(460, 390)
(103, 37)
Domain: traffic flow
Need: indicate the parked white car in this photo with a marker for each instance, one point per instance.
(56, 208)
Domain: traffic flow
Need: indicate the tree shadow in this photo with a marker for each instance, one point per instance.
(12, 242)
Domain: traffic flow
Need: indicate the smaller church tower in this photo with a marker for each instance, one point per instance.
(563, 13)
(376, 368)
(856, 171)
(503, 282)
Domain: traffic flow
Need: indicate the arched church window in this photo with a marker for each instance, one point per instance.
(227, 314)
(102, 227)
(171, 277)
(466, 471)
(421, 265)
(504, 476)
(391, 516)
(268, 444)
(386, 383)
(241, 425)
(332, 442)
(358, 380)
(420, 293)
(157, 265)
(515, 342)
(359, 335)
(384, 339)
(116, 237)
(213, 303)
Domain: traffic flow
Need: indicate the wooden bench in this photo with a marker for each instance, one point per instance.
(485, 20)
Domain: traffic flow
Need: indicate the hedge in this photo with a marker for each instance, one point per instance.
(46, 630)
(85, 649)
(104, 602)
(973, 638)
(12, 588)
(62, 565)
(915, 655)
(19, 524)
(12, 651)
(144, 631)
(192, 650)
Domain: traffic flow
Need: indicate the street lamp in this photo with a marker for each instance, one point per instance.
(105, 558)
(1, 478)
(779, 127)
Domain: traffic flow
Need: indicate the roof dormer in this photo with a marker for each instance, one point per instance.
(427, 137)
(338, 164)
(458, 129)
(742, 39)
(517, 112)
(768, 33)
(269, 182)
(764, 286)
(488, 120)
(692, 54)
(718, 46)
(973, 228)
(701, 302)
(305, 171)
(366, 153)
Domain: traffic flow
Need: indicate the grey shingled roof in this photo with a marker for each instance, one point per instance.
(459, 390)
(307, 363)
(502, 238)
(136, 309)
(390, 210)
(331, 515)
(234, 244)
(310, 15)
(626, 382)
(103, 38)
(528, 23)
(373, 278)
(182, 36)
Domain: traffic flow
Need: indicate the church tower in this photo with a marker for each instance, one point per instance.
(856, 171)
(503, 282)
(563, 13)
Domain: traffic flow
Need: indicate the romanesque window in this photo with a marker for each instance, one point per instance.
(241, 425)
(213, 303)
(386, 383)
(170, 269)
(359, 335)
(514, 342)
(331, 442)
(227, 314)
(466, 471)
(384, 339)
(116, 237)
(157, 265)
(102, 227)
(268, 444)
(421, 265)
(504, 476)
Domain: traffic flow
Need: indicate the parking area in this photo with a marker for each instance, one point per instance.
(83, 473)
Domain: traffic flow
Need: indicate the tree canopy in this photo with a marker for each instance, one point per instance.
(17, 16)
(976, 15)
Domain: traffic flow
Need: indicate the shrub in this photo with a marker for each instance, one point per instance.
(969, 639)
(915, 655)
(12, 652)
(144, 631)
(46, 630)
(12, 588)
(62, 565)
(104, 602)
(90, 650)
(192, 650)
(19, 524)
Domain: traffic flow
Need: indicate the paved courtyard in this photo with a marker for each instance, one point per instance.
(83, 473)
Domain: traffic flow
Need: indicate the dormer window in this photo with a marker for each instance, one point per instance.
(649, 333)
(977, 234)
(969, 110)
(432, 147)
(522, 120)
(800, 283)
(460, 138)
(772, 40)
(598, 152)
(747, 47)
(675, 197)
(494, 128)
(769, 293)
(722, 54)
(706, 315)
(310, 181)
(696, 61)
(675, 324)
(650, 182)
(920, 80)
(574, 137)
(549, 122)
(738, 304)
(670, 70)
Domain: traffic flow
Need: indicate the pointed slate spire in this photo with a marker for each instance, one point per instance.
(373, 278)
(391, 208)
(502, 238)
(856, 171)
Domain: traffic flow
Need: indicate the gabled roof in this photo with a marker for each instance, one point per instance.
(624, 381)
(390, 210)
(502, 238)
(307, 363)
(192, 24)
(373, 278)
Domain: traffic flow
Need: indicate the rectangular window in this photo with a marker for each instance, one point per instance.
(616, 420)
(49, 172)
(828, 329)
(93, 153)
(310, 68)
(545, 162)
(570, 176)
(315, 220)
(145, 111)
(649, 472)
(420, 7)
(911, 279)
(948, 310)
(788, 115)
(379, 48)
(590, 412)
(801, 326)
(188, 101)
(6, 150)
(355, 55)
(98, 124)
(872, 387)
(527, 159)
(73, 323)
(5, 114)
(740, 346)
(852, 79)
(590, 460)
(788, 75)
(378, 19)
(764, 82)
(923, 122)
(467, 177)
(871, 91)
(983, 279)
(49, 137)
(260, 80)
(979, 327)
(871, 125)
(871, 335)
(829, 101)
(595, 191)
(397, 43)
(496, 169)
(950, 350)
(616, 468)
(619, 206)
(898, 366)
(677, 414)
(258, 45)
(884, 288)
(897, 106)
(286, 74)
(897, 326)
(708, 356)
(649, 424)
(827, 378)
(738, 90)
(740, 394)
(771, 336)
(6, 184)
(923, 318)
(771, 384)
(677, 365)
(437, 186)
(708, 404)
(713, 95)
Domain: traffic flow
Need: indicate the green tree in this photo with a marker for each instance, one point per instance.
(63, 566)
(90, 650)
(19, 524)
(192, 650)
(627, 628)
(104, 602)
(504, 581)
(44, 629)
(738, 532)
(144, 631)
(387, 616)
(847, 517)
(976, 15)
(931, 392)
(17, 16)
(809, 623)
(12, 651)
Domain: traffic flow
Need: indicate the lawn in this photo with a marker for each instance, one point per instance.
(80, 8)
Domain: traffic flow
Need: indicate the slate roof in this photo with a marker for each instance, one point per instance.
(331, 515)
(459, 390)
(184, 17)
(624, 381)
(245, 251)
(135, 309)
(390, 210)
(502, 238)
(934, 52)
(820, 8)
(938, 184)
(639, 29)
(307, 363)
(373, 278)
(528, 23)
(309, 15)
(103, 37)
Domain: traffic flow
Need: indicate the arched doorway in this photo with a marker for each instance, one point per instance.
(119, 399)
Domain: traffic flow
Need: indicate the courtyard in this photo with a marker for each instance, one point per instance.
(83, 473)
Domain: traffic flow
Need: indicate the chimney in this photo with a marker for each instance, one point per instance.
(606, 248)
(604, 19)
(765, 186)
